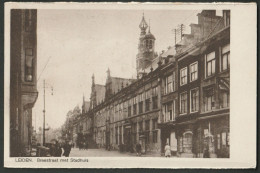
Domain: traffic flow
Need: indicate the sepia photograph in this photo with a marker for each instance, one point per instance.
(133, 83)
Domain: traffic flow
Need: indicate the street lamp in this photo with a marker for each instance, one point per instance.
(44, 111)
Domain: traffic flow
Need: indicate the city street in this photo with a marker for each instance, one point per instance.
(75, 152)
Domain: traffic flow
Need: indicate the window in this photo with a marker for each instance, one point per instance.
(147, 125)
(120, 134)
(155, 136)
(169, 111)
(140, 126)
(183, 103)
(134, 106)
(210, 64)
(134, 128)
(226, 15)
(150, 44)
(147, 43)
(154, 91)
(155, 102)
(225, 56)
(28, 64)
(141, 107)
(147, 104)
(194, 71)
(183, 76)
(134, 111)
(116, 135)
(209, 101)
(147, 100)
(129, 111)
(28, 20)
(168, 84)
(224, 98)
(155, 123)
(194, 100)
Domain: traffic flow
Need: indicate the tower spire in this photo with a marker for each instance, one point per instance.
(143, 25)
(108, 72)
(149, 27)
(93, 79)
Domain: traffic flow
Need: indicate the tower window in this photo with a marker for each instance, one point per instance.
(150, 44)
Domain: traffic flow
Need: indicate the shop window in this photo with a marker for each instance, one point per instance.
(194, 71)
(140, 124)
(210, 64)
(116, 135)
(194, 100)
(183, 76)
(120, 134)
(209, 101)
(134, 129)
(147, 137)
(155, 136)
(183, 103)
(187, 142)
(225, 57)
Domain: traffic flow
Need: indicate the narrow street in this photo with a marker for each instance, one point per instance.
(75, 152)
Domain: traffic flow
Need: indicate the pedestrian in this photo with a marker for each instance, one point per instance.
(58, 150)
(206, 152)
(167, 150)
(138, 148)
(67, 149)
(53, 150)
(86, 145)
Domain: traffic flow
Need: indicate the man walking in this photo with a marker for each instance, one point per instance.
(67, 148)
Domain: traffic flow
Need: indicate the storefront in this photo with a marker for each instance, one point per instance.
(213, 138)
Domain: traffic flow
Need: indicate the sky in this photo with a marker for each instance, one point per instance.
(72, 45)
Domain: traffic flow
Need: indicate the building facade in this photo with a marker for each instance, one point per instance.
(180, 97)
(23, 79)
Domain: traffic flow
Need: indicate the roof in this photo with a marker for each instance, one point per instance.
(86, 105)
(117, 83)
(170, 52)
(100, 92)
(149, 35)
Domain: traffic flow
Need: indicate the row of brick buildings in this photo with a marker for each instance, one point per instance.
(180, 97)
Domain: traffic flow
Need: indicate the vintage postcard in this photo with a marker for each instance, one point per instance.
(130, 85)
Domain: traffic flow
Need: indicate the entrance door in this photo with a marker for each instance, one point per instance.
(127, 139)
